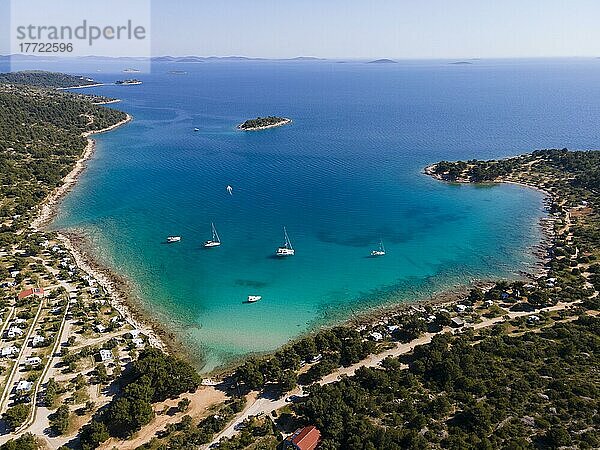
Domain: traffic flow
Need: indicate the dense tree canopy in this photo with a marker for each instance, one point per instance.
(40, 140)
(44, 79)
(540, 389)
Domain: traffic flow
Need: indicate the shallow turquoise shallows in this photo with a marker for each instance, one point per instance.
(345, 174)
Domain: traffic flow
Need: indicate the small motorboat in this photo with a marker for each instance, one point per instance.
(253, 298)
(171, 239)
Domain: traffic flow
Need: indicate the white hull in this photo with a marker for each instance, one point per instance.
(286, 249)
(282, 251)
(215, 241)
(172, 239)
(253, 298)
(380, 251)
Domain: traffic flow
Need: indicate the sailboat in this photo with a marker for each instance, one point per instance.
(215, 241)
(380, 251)
(286, 249)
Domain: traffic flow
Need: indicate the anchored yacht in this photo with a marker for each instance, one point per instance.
(380, 251)
(286, 249)
(215, 241)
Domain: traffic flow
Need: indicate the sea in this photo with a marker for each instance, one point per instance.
(346, 174)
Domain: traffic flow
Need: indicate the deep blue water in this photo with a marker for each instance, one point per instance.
(346, 173)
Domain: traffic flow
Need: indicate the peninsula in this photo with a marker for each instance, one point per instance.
(45, 79)
(262, 123)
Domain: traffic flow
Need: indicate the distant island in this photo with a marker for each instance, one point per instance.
(460, 63)
(130, 81)
(262, 123)
(131, 70)
(383, 61)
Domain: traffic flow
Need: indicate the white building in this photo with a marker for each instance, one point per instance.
(376, 336)
(8, 352)
(14, 332)
(134, 333)
(23, 387)
(38, 340)
(33, 361)
(106, 355)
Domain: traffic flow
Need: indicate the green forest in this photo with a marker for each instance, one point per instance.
(40, 140)
(44, 79)
(537, 390)
(260, 122)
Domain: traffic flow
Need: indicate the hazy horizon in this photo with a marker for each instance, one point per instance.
(338, 29)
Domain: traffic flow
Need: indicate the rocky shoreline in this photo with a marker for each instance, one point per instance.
(118, 288)
(285, 121)
(48, 208)
(541, 250)
(113, 284)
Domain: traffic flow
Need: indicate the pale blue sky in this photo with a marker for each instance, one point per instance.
(378, 28)
(370, 29)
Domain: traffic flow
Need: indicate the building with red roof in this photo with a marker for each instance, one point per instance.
(306, 438)
(39, 292)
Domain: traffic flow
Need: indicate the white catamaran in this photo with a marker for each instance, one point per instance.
(286, 249)
(215, 241)
(380, 251)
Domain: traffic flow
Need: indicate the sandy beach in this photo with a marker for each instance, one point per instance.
(82, 87)
(112, 284)
(108, 102)
(115, 286)
(48, 207)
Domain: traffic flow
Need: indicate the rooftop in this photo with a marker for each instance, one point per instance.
(306, 438)
(31, 291)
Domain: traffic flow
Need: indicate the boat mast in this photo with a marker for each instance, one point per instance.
(214, 233)
(288, 244)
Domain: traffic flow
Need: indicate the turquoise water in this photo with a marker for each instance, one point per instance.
(346, 173)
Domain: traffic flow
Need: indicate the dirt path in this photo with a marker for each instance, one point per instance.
(265, 405)
(201, 402)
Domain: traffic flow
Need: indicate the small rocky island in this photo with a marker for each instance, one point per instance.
(127, 82)
(262, 123)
